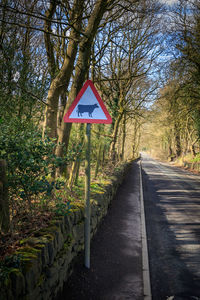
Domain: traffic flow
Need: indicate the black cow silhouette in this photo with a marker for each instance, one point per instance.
(86, 108)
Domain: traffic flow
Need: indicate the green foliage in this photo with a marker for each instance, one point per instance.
(76, 146)
(63, 199)
(196, 158)
(63, 208)
(75, 151)
(96, 188)
(114, 107)
(29, 158)
(79, 188)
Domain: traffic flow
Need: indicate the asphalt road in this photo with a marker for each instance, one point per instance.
(172, 208)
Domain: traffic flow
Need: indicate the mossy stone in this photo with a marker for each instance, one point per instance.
(17, 282)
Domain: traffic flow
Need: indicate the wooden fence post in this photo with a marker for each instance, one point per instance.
(4, 202)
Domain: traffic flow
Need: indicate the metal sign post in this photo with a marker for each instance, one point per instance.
(87, 107)
(87, 197)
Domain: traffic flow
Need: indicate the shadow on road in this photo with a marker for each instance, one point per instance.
(172, 219)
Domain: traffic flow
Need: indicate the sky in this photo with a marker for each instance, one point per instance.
(169, 1)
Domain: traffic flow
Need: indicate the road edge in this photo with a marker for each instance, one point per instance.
(145, 256)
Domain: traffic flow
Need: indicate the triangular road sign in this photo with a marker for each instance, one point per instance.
(88, 107)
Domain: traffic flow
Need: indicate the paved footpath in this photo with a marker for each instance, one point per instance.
(116, 251)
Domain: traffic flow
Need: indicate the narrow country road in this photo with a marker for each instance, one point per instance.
(172, 208)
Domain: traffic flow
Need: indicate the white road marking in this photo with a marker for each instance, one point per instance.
(145, 257)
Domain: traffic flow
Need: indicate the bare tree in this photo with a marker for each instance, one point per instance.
(125, 63)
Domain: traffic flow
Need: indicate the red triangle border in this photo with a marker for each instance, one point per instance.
(77, 99)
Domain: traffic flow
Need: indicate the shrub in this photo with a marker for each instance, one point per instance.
(30, 160)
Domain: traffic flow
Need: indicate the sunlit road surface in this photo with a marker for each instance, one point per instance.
(172, 206)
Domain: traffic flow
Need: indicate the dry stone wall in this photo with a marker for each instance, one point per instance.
(46, 260)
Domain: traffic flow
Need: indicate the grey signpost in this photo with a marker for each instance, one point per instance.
(87, 197)
(88, 108)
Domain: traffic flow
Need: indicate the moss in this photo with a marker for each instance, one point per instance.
(106, 182)
(15, 271)
(16, 277)
(24, 241)
(74, 208)
(26, 260)
(48, 232)
(77, 205)
(93, 202)
(28, 252)
(27, 255)
(49, 229)
(46, 235)
(68, 241)
(58, 218)
(39, 246)
(27, 263)
(49, 236)
(66, 246)
(55, 222)
(97, 188)
(40, 242)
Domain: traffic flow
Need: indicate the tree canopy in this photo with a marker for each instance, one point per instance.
(143, 57)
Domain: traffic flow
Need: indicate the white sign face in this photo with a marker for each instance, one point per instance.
(88, 107)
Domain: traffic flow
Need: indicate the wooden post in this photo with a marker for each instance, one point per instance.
(87, 198)
(4, 202)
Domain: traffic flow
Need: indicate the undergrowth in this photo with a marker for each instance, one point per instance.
(61, 201)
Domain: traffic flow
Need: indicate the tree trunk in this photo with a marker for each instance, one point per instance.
(169, 145)
(193, 148)
(72, 174)
(170, 152)
(47, 39)
(178, 149)
(61, 81)
(77, 172)
(98, 161)
(81, 70)
(112, 152)
(75, 166)
(104, 155)
(123, 136)
(136, 138)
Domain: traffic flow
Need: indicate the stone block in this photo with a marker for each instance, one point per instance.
(61, 261)
(17, 283)
(68, 222)
(62, 226)
(31, 271)
(33, 294)
(60, 240)
(51, 271)
(51, 251)
(71, 218)
(78, 231)
(44, 256)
